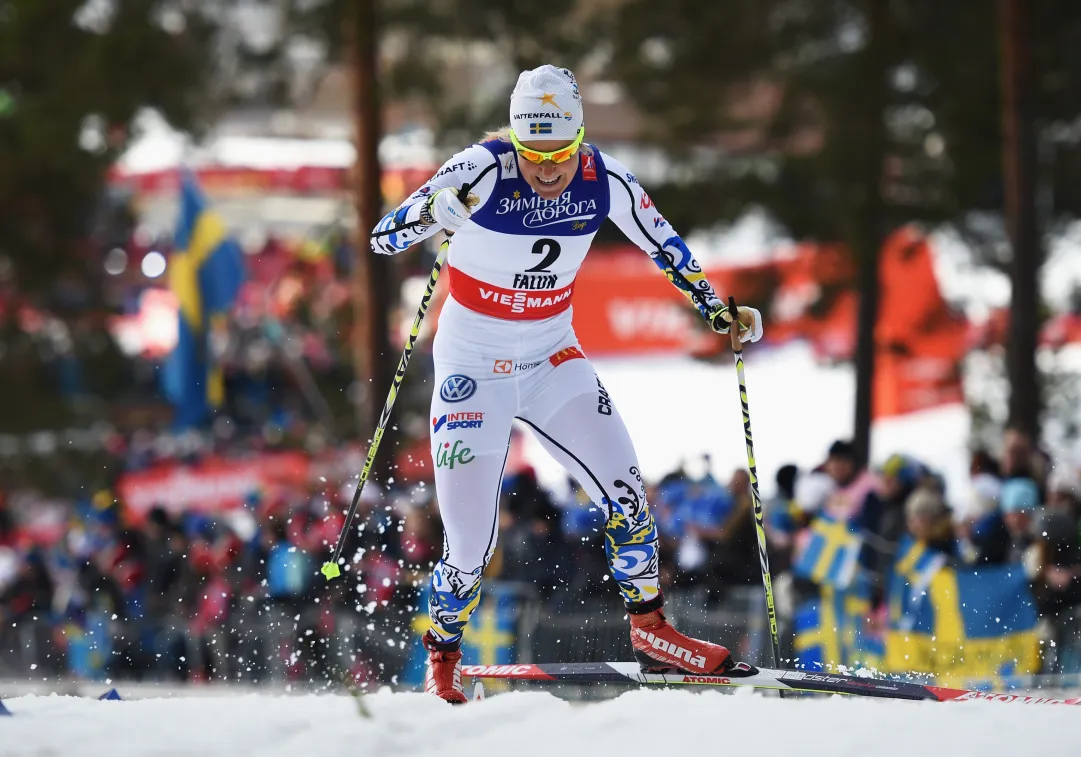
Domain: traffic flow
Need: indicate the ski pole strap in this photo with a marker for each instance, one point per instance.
(733, 330)
(462, 193)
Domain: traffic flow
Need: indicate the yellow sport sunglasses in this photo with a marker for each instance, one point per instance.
(561, 155)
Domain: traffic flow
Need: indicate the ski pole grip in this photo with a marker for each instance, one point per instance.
(733, 331)
(463, 195)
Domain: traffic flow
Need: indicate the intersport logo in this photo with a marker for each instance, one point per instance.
(540, 212)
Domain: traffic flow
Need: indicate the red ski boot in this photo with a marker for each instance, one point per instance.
(444, 674)
(660, 648)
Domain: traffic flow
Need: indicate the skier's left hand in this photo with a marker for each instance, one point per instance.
(750, 322)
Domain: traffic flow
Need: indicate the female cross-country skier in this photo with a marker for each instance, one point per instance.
(505, 349)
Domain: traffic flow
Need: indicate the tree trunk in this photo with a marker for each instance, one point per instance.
(869, 220)
(374, 364)
(1019, 164)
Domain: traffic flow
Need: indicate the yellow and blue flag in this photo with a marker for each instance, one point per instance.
(968, 626)
(828, 553)
(206, 271)
(490, 638)
(835, 629)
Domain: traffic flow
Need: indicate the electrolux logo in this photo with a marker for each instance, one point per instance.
(506, 367)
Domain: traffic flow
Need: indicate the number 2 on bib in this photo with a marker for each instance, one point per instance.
(550, 249)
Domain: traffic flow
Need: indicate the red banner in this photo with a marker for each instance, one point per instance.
(213, 484)
(919, 340)
(623, 305)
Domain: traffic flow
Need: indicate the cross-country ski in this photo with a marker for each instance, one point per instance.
(761, 678)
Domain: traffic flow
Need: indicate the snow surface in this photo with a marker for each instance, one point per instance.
(639, 722)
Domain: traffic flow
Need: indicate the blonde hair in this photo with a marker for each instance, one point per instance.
(503, 135)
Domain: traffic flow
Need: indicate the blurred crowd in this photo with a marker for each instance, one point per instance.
(1020, 507)
(179, 595)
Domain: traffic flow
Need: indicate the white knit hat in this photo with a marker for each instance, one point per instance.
(546, 104)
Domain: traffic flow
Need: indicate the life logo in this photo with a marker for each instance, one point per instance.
(457, 388)
(448, 457)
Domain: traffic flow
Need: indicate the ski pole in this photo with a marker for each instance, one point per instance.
(760, 530)
(330, 568)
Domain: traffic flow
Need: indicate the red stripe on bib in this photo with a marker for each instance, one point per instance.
(508, 304)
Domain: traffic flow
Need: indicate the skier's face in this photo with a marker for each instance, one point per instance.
(548, 179)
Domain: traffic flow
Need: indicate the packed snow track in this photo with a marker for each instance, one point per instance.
(528, 724)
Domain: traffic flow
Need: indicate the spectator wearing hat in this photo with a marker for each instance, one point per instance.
(783, 518)
(1019, 499)
(883, 517)
(1064, 491)
(981, 531)
(928, 519)
(856, 487)
(1022, 459)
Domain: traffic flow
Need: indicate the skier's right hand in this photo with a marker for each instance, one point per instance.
(750, 322)
(447, 210)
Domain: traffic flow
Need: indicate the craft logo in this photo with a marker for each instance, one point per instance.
(468, 164)
(604, 402)
(454, 421)
(534, 282)
(568, 353)
(457, 388)
(448, 456)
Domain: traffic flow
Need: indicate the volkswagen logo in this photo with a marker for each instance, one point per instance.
(457, 388)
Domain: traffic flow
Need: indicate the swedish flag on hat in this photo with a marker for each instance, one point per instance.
(546, 104)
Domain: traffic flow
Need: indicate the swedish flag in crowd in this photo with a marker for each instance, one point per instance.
(829, 554)
(206, 270)
(835, 629)
(968, 626)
